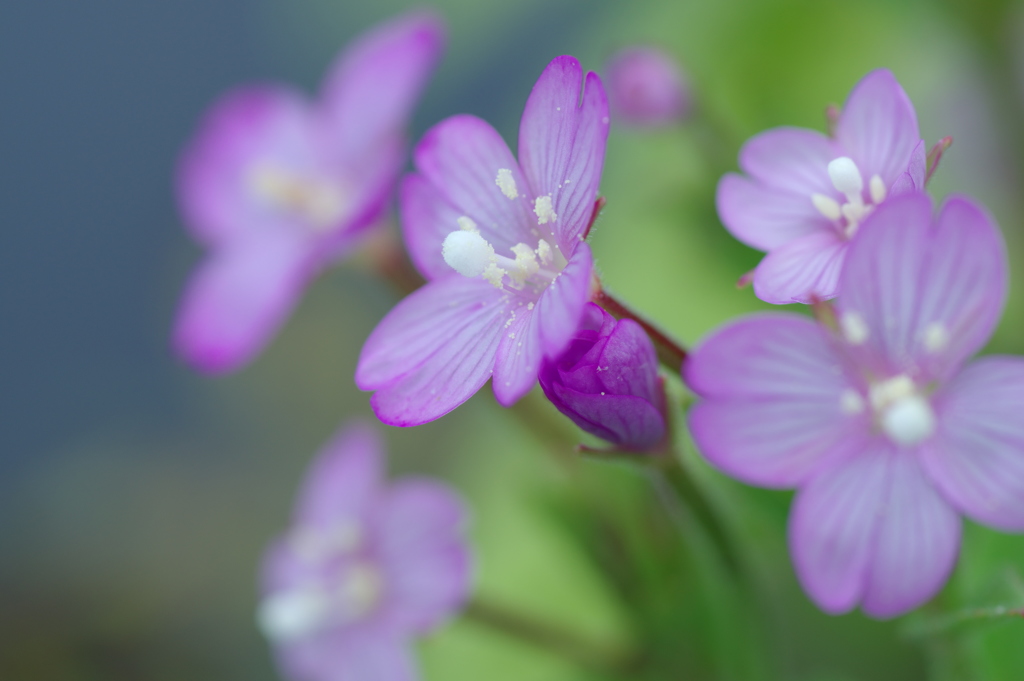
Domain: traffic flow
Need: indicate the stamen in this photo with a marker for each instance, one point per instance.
(466, 224)
(855, 329)
(890, 391)
(360, 590)
(877, 189)
(936, 338)
(846, 177)
(319, 201)
(467, 253)
(544, 252)
(850, 402)
(827, 206)
(544, 210)
(506, 183)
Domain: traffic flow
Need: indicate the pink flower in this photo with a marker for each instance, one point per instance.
(501, 245)
(807, 194)
(607, 382)
(883, 428)
(646, 87)
(365, 568)
(278, 187)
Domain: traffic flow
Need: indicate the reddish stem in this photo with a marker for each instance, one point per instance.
(670, 354)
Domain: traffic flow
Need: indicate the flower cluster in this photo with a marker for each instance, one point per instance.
(872, 411)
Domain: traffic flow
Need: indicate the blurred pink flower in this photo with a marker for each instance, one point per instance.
(366, 567)
(646, 87)
(880, 425)
(807, 193)
(501, 245)
(278, 187)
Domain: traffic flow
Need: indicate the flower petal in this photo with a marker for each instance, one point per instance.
(519, 356)
(370, 91)
(763, 217)
(562, 143)
(794, 160)
(419, 541)
(362, 654)
(977, 458)
(625, 420)
(878, 127)
(804, 269)
(343, 479)
(630, 351)
(560, 307)
(433, 350)
(238, 298)
(832, 527)
(427, 218)
(245, 128)
(461, 157)
(928, 295)
(773, 392)
(917, 537)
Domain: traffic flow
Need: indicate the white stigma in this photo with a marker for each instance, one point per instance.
(909, 420)
(846, 177)
(467, 253)
(292, 614)
(506, 183)
(544, 210)
(855, 329)
(936, 338)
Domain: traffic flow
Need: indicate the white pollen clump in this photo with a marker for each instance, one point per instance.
(909, 420)
(544, 210)
(467, 253)
(855, 329)
(827, 206)
(845, 176)
(877, 188)
(850, 402)
(292, 614)
(890, 391)
(544, 251)
(466, 224)
(493, 274)
(506, 183)
(529, 306)
(936, 338)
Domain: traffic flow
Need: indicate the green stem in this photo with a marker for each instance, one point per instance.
(941, 624)
(674, 485)
(592, 655)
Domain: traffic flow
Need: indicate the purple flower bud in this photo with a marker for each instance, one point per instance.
(646, 87)
(607, 381)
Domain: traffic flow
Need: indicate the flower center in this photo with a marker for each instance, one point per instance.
(847, 180)
(317, 200)
(901, 411)
(469, 254)
(316, 604)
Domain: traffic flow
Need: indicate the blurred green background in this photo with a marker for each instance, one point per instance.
(136, 497)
